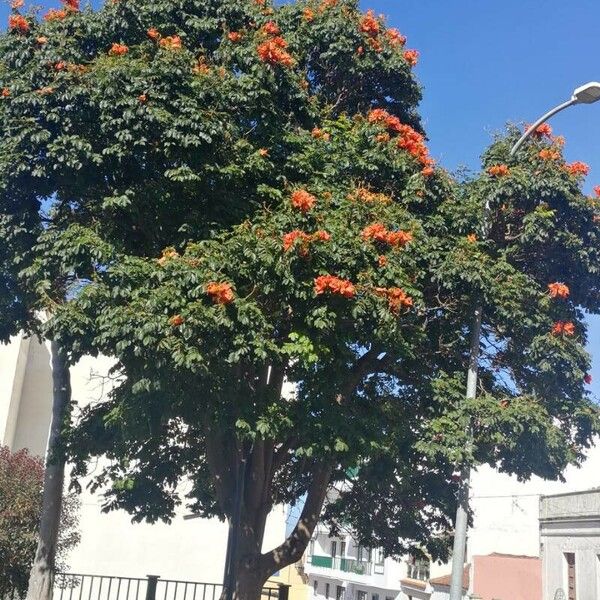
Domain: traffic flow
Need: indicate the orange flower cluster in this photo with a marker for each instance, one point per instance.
(471, 238)
(273, 52)
(378, 233)
(303, 201)
(308, 15)
(143, 98)
(153, 33)
(326, 4)
(171, 42)
(220, 293)
(18, 23)
(597, 191)
(558, 290)
(370, 25)
(167, 255)
(271, 28)
(176, 321)
(16, 4)
(71, 4)
(55, 15)
(5, 92)
(319, 134)
(408, 139)
(118, 49)
(411, 57)
(548, 154)
(395, 38)
(334, 285)
(544, 130)
(498, 170)
(362, 194)
(397, 298)
(563, 328)
(289, 239)
(577, 168)
(201, 68)
(234, 36)
(382, 260)
(41, 40)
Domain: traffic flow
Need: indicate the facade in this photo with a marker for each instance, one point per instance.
(188, 549)
(570, 538)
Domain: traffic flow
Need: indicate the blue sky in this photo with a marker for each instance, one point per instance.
(485, 63)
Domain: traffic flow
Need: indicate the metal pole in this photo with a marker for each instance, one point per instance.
(462, 511)
(541, 120)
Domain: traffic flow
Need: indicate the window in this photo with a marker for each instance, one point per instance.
(339, 593)
(326, 590)
(360, 595)
(315, 588)
(375, 597)
(311, 550)
(343, 549)
(360, 555)
(334, 549)
(571, 576)
(418, 568)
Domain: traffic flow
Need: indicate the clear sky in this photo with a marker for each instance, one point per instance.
(484, 63)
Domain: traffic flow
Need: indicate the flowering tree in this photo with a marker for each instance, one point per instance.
(21, 477)
(241, 196)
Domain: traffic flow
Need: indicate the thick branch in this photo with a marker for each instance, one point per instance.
(222, 462)
(293, 548)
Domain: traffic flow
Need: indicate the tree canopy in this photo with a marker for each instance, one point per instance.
(237, 195)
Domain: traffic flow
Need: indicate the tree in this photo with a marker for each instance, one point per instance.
(21, 478)
(241, 196)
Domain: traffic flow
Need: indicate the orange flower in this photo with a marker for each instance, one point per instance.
(548, 154)
(558, 290)
(16, 4)
(498, 170)
(375, 44)
(395, 38)
(577, 168)
(171, 42)
(321, 236)
(597, 191)
(427, 171)
(45, 91)
(563, 328)
(55, 15)
(289, 239)
(397, 298)
(273, 52)
(60, 66)
(302, 200)
(220, 293)
(308, 15)
(167, 255)
(18, 23)
(369, 24)
(118, 50)
(378, 233)
(201, 68)
(364, 195)
(471, 238)
(153, 33)
(411, 57)
(234, 36)
(263, 152)
(360, 51)
(176, 321)
(543, 130)
(334, 285)
(320, 134)
(71, 4)
(382, 260)
(41, 40)
(326, 4)
(271, 28)
(143, 98)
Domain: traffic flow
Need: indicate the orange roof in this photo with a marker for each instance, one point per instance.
(414, 583)
(445, 579)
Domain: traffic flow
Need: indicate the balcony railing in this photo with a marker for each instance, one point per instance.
(348, 565)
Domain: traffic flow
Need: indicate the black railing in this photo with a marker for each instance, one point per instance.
(73, 586)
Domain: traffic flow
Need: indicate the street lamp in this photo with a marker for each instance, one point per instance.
(586, 94)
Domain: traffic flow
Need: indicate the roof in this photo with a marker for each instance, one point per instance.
(414, 583)
(444, 580)
(502, 555)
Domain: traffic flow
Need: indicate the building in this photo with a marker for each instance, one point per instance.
(188, 549)
(570, 541)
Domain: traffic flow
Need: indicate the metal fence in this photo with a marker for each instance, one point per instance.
(73, 586)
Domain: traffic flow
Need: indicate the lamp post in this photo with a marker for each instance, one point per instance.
(586, 94)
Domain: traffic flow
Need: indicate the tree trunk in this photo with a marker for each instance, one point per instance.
(41, 578)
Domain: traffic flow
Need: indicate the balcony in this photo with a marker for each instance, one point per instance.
(346, 565)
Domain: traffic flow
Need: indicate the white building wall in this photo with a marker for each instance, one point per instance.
(186, 549)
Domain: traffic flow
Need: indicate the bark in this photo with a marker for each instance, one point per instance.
(41, 578)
